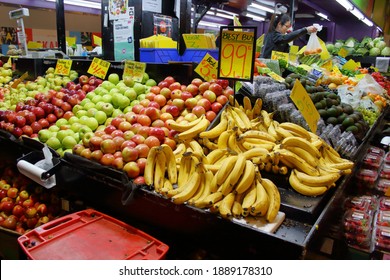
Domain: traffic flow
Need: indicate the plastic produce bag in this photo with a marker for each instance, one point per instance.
(369, 85)
(313, 45)
(350, 95)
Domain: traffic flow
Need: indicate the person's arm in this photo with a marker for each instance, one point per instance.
(286, 38)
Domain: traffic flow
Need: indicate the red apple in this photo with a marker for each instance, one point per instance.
(118, 163)
(96, 155)
(108, 146)
(152, 141)
(216, 107)
(199, 111)
(109, 129)
(222, 99)
(204, 86)
(124, 126)
(129, 154)
(138, 139)
(155, 89)
(44, 123)
(216, 88)
(145, 120)
(173, 110)
(132, 170)
(166, 92)
(206, 104)
(144, 131)
(128, 143)
(158, 132)
(160, 100)
(196, 81)
(153, 113)
(107, 159)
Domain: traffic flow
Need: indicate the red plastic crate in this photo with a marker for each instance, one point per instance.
(90, 235)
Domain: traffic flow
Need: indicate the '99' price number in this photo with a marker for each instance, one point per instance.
(236, 55)
(99, 68)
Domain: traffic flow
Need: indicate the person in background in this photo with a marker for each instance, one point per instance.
(277, 38)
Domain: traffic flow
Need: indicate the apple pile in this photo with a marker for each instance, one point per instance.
(34, 115)
(124, 141)
(23, 205)
(5, 73)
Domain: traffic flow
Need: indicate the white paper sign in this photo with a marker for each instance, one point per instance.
(151, 5)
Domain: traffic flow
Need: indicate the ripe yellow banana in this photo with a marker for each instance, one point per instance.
(226, 167)
(342, 165)
(271, 131)
(183, 127)
(283, 170)
(237, 120)
(214, 208)
(249, 198)
(262, 203)
(246, 178)
(257, 107)
(297, 129)
(259, 135)
(199, 192)
(200, 202)
(241, 114)
(150, 166)
(214, 198)
(225, 188)
(236, 209)
(171, 163)
(180, 150)
(267, 118)
(302, 143)
(232, 143)
(313, 161)
(159, 171)
(297, 162)
(282, 133)
(305, 189)
(224, 138)
(215, 155)
(216, 130)
(194, 131)
(225, 209)
(249, 113)
(247, 103)
(274, 199)
(189, 190)
(237, 169)
(167, 184)
(255, 152)
(184, 169)
(317, 181)
(209, 144)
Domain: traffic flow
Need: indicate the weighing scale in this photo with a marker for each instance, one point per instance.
(18, 15)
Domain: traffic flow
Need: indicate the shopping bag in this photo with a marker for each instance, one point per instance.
(313, 45)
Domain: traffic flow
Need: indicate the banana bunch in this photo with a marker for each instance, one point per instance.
(159, 163)
(190, 130)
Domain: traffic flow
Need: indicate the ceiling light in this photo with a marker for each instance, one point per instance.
(367, 21)
(262, 7)
(224, 15)
(357, 13)
(253, 16)
(346, 4)
(256, 11)
(81, 3)
(322, 15)
(210, 13)
(223, 11)
(209, 24)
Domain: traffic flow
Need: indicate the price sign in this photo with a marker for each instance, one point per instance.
(63, 67)
(328, 65)
(336, 70)
(305, 105)
(207, 68)
(293, 55)
(350, 65)
(99, 68)
(195, 41)
(343, 52)
(275, 76)
(280, 55)
(237, 54)
(134, 69)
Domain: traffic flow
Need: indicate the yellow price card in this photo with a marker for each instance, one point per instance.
(207, 68)
(280, 55)
(328, 65)
(305, 105)
(343, 52)
(99, 68)
(237, 53)
(63, 67)
(336, 70)
(34, 45)
(275, 76)
(97, 40)
(350, 65)
(195, 41)
(134, 69)
(71, 41)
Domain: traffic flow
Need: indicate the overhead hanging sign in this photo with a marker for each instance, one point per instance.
(237, 53)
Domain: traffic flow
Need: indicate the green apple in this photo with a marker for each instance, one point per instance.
(130, 94)
(54, 143)
(84, 119)
(98, 90)
(73, 119)
(84, 130)
(134, 102)
(101, 117)
(90, 95)
(68, 151)
(44, 135)
(91, 112)
(128, 81)
(123, 102)
(78, 107)
(116, 112)
(61, 122)
(96, 99)
(81, 113)
(108, 109)
(83, 102)
(145, 78)
(150, 83)
(139, 88)
(54, 128)
(60, 151)
(141, 96)
(107, 98)
(127, 109)
(92, 123)
(89, 105)
(115, 99)
(120, 84)
(99, 105)
(76, 137)
(68, 142)
(75, 127)
(63, 133)
(113, 78)
(101, 127)
(107, 85)
(114, 91)
(108, 121)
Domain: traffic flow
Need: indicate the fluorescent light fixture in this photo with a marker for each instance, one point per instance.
(209, 24)
(367, 21)
(322, 15)
(262, 7)
(210, 13)
(256, 11)
(357, 13)
(346, 4)
(253, 16)
(380, 29)
(81, 3)
(223, 11)
(224, 15)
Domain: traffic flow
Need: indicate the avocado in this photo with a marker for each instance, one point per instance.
(332, 112)
(319, 105)
(341, 117)
(347, 109)
(352, 128)
(331, 120)
(323, 113)
(332, 95)
(348, 121)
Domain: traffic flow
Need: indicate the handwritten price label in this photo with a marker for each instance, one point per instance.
(134, 69)
(280, 55)
(236, 55)
(207, 68)
(343, 52)
(305, 105)
(63, 67)
(99, 68)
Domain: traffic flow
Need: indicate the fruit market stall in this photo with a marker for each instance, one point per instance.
(180, 157)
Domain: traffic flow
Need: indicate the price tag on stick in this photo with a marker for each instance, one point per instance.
(305, 105)
(99, 68)
(237, 53)
(207, 68)
(134, 69)
(63, 67)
